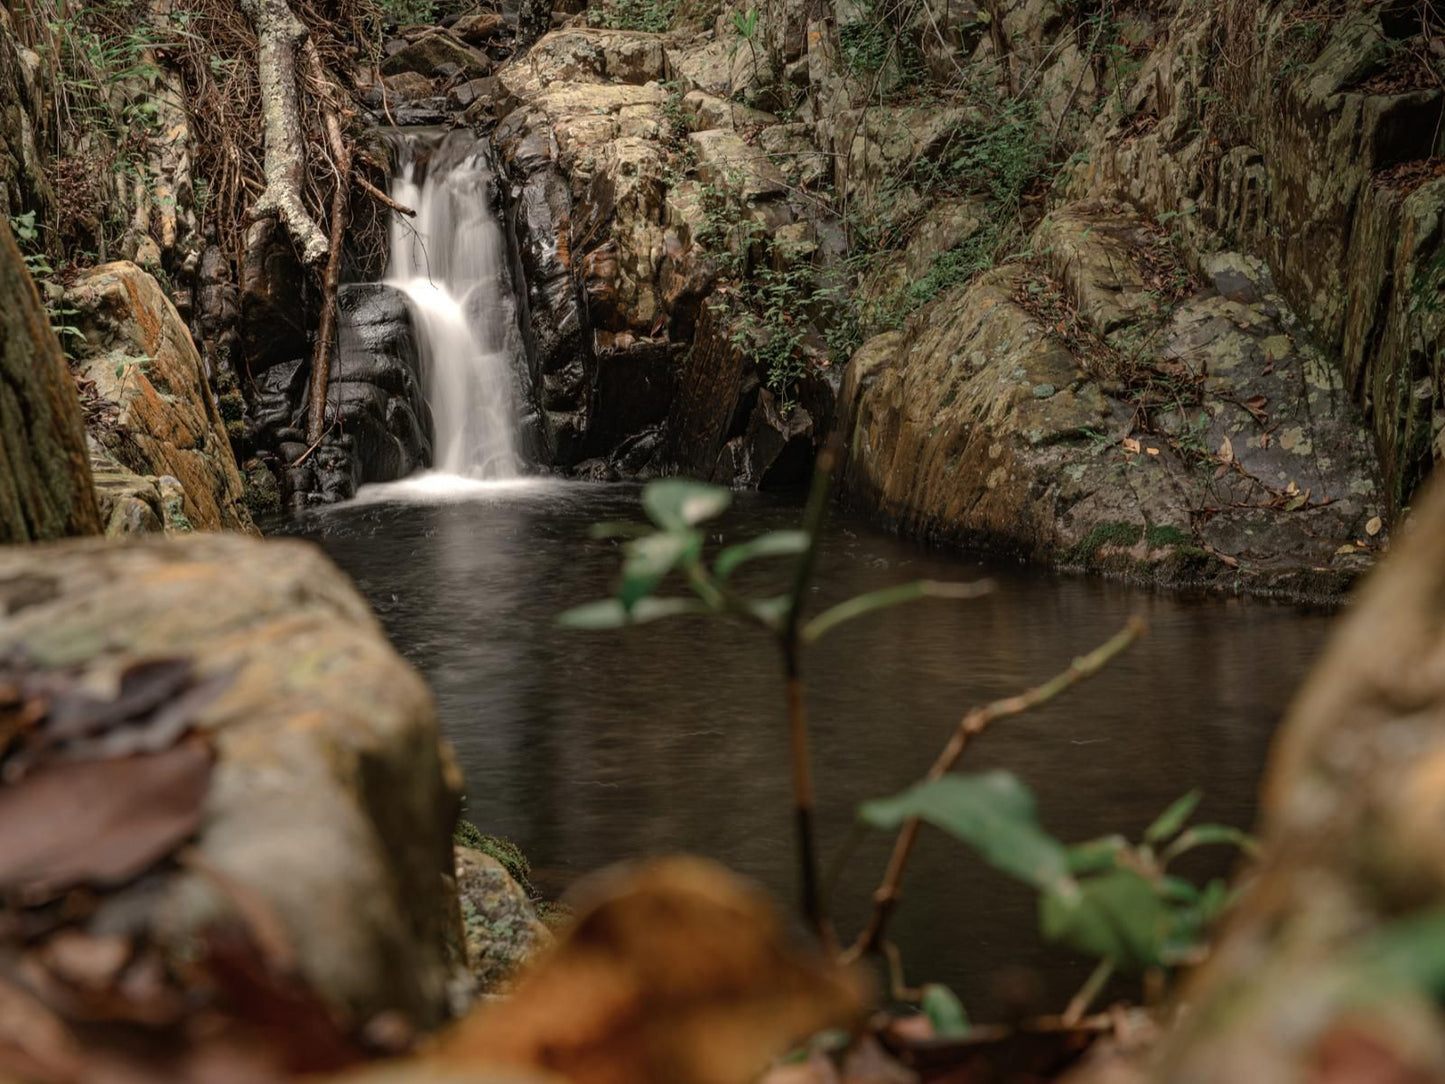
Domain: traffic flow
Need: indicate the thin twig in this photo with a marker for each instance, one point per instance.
(1080, 1002)
(885, 900)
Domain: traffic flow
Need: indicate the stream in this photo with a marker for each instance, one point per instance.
(589, 748)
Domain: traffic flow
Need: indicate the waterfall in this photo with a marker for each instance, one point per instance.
(451, 263)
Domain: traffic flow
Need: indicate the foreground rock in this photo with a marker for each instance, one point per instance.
(499, 923)
(330, 806)
(153, 411)
(45, 484)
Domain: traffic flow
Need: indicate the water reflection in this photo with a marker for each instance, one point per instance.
(588, 748)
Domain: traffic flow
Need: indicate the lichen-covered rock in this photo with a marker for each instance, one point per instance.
(499, 923)
(139, 356)
(1202, 441)
(332, 798)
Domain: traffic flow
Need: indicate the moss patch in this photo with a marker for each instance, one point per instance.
(1163, 535)
(1110, 533)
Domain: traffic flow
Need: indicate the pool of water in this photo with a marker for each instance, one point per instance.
(589, 748)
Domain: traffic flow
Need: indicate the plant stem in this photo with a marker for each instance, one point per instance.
(885, 900)
(1080, 1002)
(790, 639)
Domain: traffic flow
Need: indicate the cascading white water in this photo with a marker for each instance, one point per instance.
(450, 261)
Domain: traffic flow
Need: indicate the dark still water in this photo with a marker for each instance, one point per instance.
(587, 748)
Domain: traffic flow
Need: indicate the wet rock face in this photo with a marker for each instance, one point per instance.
(617, 279)
(158, 417)
(1066, 412)
(383, 427)
(331, 801)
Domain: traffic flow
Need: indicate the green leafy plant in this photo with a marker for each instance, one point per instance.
(1107, 898)
(674, 545)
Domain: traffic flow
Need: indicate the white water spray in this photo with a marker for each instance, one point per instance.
(450, 261)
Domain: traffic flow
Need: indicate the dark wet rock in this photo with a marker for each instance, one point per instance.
(274, 292)
(428, 53)
(382, 424)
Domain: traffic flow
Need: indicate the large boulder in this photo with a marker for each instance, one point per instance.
(330, 806)
(139, 358)
(1104, 409)
(45, 484)
(437, 53)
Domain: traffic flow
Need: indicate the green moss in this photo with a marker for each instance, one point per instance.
(1163, 535)
(259, 490)
(1109, 533)
(467, 834)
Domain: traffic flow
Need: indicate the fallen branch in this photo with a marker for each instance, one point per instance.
(382, 198)
(885, 900)
(280, 33)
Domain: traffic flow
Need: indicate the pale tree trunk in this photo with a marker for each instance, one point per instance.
(280, 34)
(45, 484)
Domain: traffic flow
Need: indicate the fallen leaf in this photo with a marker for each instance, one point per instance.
(1291, 489)
(99, 822)
(1298, 502)
(693, 960)
(1226, 451)
(1375, 526)
(1152, 451)
(1131, 446)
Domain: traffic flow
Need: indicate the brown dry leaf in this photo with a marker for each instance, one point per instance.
(1131, 445)
(1255, 404)
(1375, 526)
(1152, 451)
(99, 822)
(1226, 451)
(677, 972)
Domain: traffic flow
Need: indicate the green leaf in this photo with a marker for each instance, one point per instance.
(1096, 855)
(609, 613)
(859, 605)
(994, 813)
(772, 544)
(652, 557)
(675, 502)
(1205, 835)
(944, 1011)
(1116, 916)
(1168, 823)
